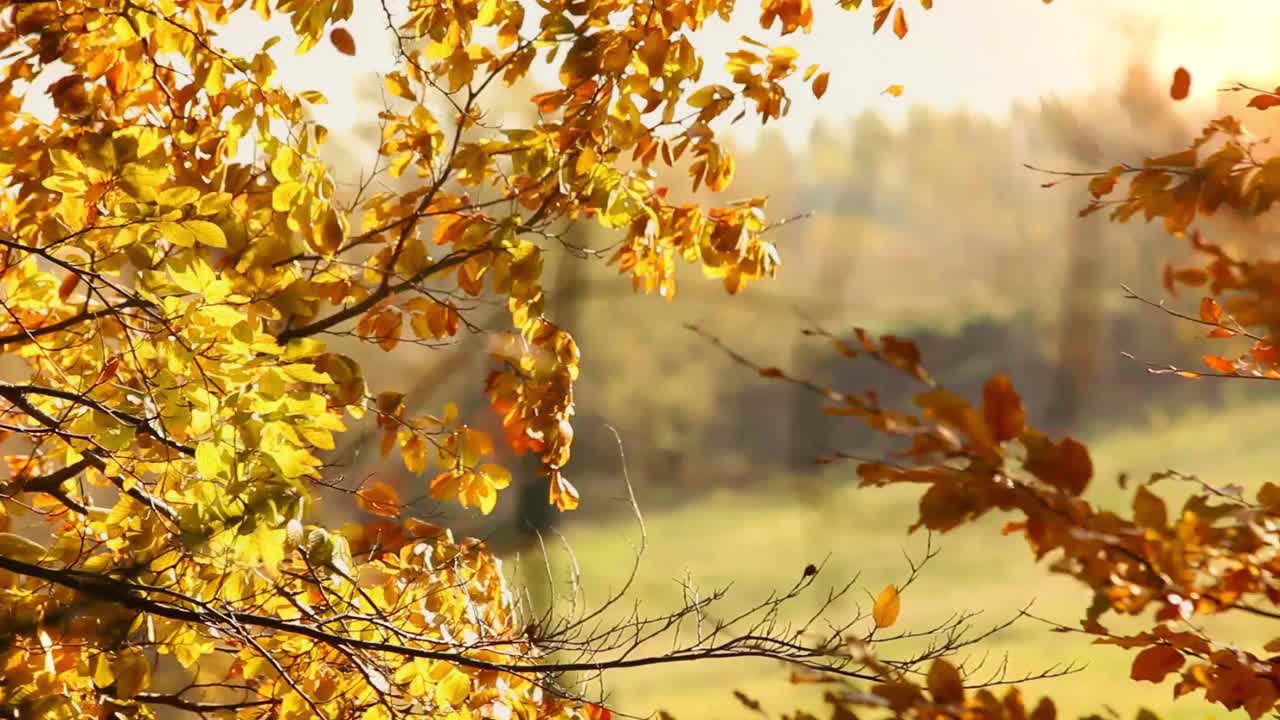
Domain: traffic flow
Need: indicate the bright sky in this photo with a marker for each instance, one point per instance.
(980, 54)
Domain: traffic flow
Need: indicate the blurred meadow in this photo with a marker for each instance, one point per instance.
(912, 215)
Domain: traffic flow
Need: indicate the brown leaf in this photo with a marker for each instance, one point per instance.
(1045, 710)
(1064, 464)
(945, 683)
(343, 41)
(820, 84)
(887, 607)
(1154, 663)
(1149, 510)
(1181, 86)
(68, 286)
(1002, 408)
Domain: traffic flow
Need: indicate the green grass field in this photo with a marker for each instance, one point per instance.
(760, 541)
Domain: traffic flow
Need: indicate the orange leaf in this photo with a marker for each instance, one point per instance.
(109, 370)
(343, 41)
(888, 605)
(900, 23)
(1210, 310)
(1221, 364)
(1262, 102)
(1154, 663)
(1181, 86)
(894, 90)
(1265, 354)
(1002, 408)
(379, 499)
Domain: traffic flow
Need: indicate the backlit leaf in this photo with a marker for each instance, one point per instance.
(887, 606)
(379, 498)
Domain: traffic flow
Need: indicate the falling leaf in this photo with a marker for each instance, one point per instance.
(900, 23)
(1181, 86)
(887, 607)
(894, 90)
(342, 40)
(820, 84)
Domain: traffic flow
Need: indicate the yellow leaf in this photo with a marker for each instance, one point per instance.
(586, 160)
(133, 673)
(177, 234)
(398, 85)
(303, 372)
(453, 689)
(210, 460)
(887, 607)
(20, 548)
(314, 97)
(179, 196)
(894, 90)
(286, 165)
(206, 233)
(283, 195)
(141, 181)
(102, 675)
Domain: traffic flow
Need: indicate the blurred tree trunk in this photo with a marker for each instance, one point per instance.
(1080, 324)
